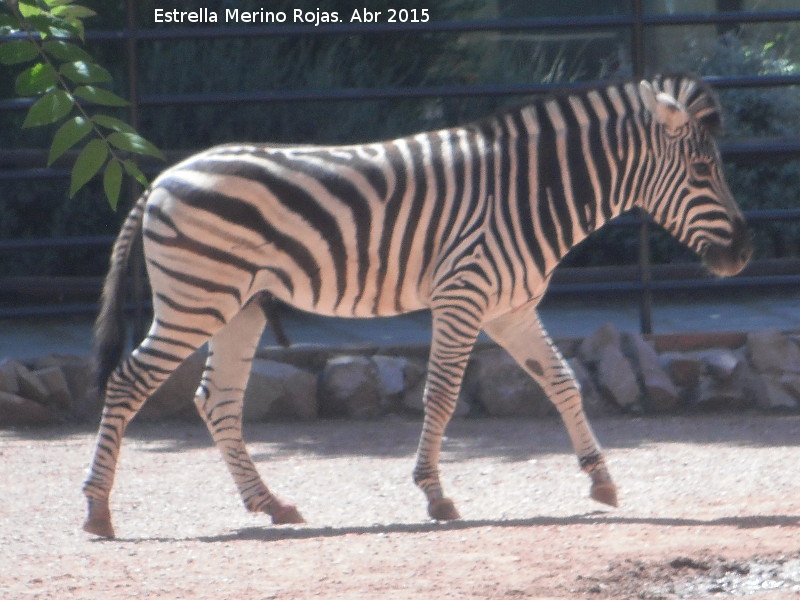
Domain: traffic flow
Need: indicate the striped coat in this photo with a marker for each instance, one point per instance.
(467, 222)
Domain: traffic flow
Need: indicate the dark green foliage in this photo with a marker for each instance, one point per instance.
(246, 64)
(279, 62)
(42, 209)
(63, 80)
(296, 63)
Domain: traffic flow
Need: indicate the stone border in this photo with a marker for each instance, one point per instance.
(619, 373)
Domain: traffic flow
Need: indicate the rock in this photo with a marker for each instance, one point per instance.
(791, 383)
(8, 375)
(175, 397)
(591, 348)
(16, 411)
(402, 383)
(660, 394)
(58, 393)
(391, 378)
(617, 380)
(30, 386)
(411, 400)
(279, 391)
(496, 382)
(57, 360)
(772, 395)
(720, 363)
(735, 392)
(683, 369)
(80, 381)
(594, 404)
(614, 375)
(713, 394)
(77, 371)
(772, 352)
(412, 397)
(350, 387)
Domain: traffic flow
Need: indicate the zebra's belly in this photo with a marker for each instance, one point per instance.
(358, 307)
(346, 288)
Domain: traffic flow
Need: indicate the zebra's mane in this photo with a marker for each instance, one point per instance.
(695, 95)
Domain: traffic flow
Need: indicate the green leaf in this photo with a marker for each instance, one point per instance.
(17, 51)
(112, 182)
(99, 96)
(29, 9)
(88, 163)
(65, 51)
(54, 3)
(69, 134)
(36, 79)
(81, 71)
(133, 142)
(49, 109)
(72, 12)
(132, 169)
(112, 123)
(51, 26)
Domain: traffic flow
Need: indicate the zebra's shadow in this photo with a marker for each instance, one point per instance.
(278, 533)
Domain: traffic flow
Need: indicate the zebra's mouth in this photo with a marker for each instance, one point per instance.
(727, 260)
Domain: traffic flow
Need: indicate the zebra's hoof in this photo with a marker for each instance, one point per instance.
(287, 514)
(605, 492)
(98, 518)
(443, 509)
(99, 526)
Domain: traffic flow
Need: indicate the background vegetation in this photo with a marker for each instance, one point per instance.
(231, 65)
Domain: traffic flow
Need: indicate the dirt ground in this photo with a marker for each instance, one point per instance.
(710, 508)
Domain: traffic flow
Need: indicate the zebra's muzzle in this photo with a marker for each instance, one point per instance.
(726, 260)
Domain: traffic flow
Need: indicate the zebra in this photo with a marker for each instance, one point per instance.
(468, 222)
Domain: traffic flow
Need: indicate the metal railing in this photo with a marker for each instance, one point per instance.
(24, 165)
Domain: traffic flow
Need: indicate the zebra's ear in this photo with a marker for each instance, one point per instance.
(665, 109)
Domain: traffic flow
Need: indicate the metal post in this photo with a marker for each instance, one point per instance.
(137, 258)
(646, 293)
(646, 297)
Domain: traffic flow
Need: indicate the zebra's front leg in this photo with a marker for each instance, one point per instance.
(219, 400)
(521, 333)
(454, 334)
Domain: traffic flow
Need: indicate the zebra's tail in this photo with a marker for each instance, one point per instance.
(109, 328)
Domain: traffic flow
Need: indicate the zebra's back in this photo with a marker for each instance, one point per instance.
(352, 231)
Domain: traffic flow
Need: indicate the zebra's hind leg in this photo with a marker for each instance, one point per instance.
(454, 334)
(521, 333)
(128, 387)
(219, 400)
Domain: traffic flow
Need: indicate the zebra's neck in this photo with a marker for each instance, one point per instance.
(567, 166)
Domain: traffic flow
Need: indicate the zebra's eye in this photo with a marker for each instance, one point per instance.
(701, 169)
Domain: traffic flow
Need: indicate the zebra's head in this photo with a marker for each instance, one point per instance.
(689, 196)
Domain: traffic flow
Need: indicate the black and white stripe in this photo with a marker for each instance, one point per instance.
(468, 222)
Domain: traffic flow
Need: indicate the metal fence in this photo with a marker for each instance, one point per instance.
(28, 164)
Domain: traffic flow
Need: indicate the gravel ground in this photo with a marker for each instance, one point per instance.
(709, 509)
